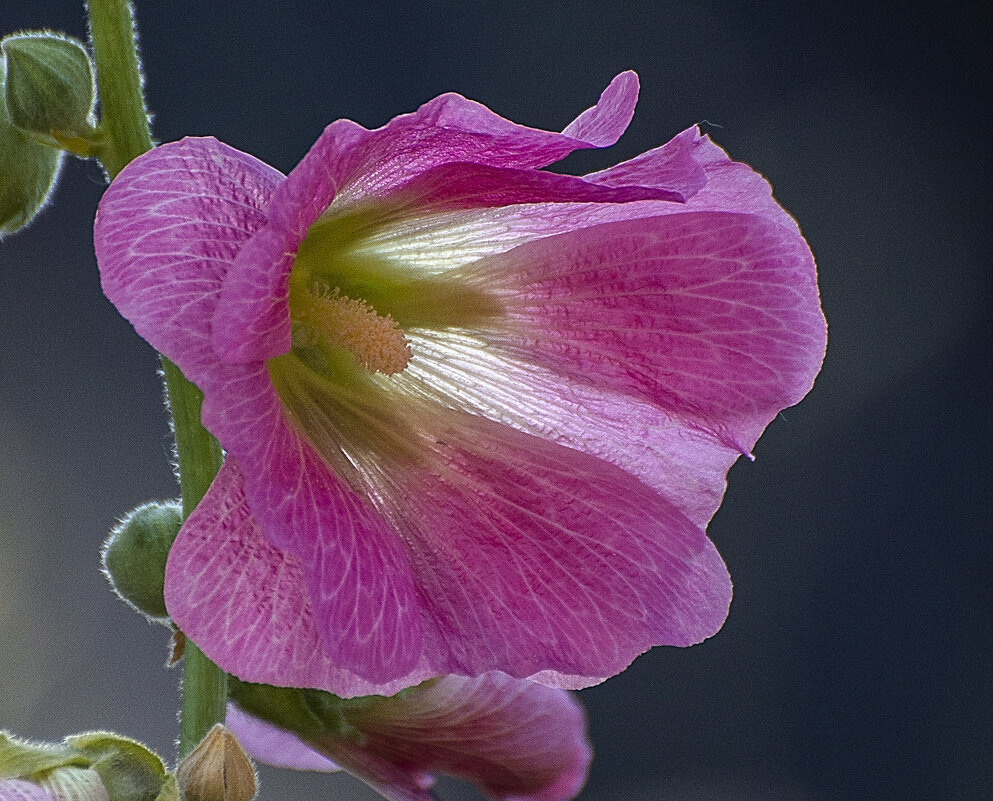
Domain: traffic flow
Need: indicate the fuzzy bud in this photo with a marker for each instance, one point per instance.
(127, 769)
(49, 89)
(134, 556)
(96, 766)
(28, 171)
(218, 769)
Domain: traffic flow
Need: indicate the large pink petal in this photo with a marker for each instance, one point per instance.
(352, 164)
(247, 604)
(513, 739)
(360, 583)
(450, 128)
(530, 556)
(685, 465)
(713, 317)
(166, 231)
(668, 451)
(527, 557)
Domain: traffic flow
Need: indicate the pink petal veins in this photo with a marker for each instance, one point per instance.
(713, 317)
(165, 234)
(249, 606)
(524, 554)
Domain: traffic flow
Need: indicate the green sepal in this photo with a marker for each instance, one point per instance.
(135, 553)
(129, 771)
(306, 713)
(22, 759)
(28, 171)
(285, 707)
(50, 89)
(309, 713)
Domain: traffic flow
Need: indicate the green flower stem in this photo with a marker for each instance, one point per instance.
(125, 135)
(123, 118)
(199, 457)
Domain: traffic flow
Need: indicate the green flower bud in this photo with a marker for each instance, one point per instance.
(97, 766)
(49, 90)
(128, 770)
(218, 769)
(134, 556)
(28, 171)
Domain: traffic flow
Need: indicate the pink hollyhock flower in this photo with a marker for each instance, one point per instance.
(513, 739)
(476, 415)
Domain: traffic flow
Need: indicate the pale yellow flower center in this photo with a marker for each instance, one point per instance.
(376, 341)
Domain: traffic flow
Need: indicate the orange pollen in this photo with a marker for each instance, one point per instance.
(376, 341)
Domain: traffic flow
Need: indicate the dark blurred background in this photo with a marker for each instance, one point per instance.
(856, 660)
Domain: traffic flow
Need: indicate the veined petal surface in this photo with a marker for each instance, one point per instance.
(523, 554)
(712, 316)
(663, 345)
(689, 173)
(165, 234)
(249, 605)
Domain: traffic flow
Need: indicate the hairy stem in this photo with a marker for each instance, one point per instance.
(124, 129)
(125, 135)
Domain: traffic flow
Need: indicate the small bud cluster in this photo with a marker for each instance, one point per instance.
(97, 766)
(103, 766)
(46, 107)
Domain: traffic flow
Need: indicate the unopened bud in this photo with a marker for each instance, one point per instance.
(28, 170)
(218, 769)
(96, 766)
(49, 88)
(128, 770)
(134, 556)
